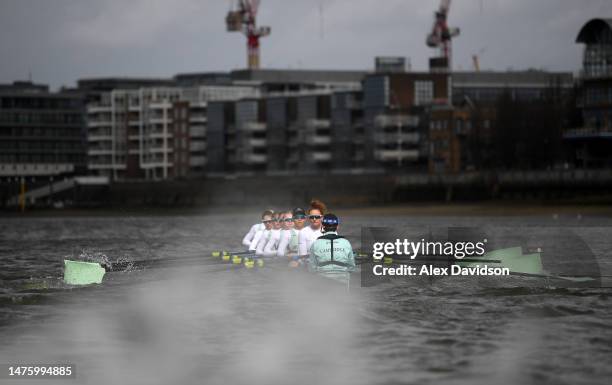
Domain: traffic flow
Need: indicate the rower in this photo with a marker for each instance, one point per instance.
(248, 238)
(331, 255)
(267, 219)
(299, 218)
(283, 222)
(292, 223)
(310, 233)
(272, 231)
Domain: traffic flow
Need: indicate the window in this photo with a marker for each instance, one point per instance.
(423, 92)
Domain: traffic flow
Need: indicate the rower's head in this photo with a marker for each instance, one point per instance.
(299, 218)
(267, 219)
(286, 220)
(276, 224)
(315, 213)
(329, 223)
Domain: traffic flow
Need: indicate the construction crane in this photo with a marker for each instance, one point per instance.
(476, 59)
(243, 18)
(441, 35)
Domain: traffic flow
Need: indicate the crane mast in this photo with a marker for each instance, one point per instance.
(243, 18)
(441, 35)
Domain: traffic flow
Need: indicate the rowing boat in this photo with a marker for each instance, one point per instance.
(529, 264)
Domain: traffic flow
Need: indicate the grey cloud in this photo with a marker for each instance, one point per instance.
(62, 40)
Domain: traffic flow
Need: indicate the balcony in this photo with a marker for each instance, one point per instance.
(197, 131)
(254, 142)
(159, 120)
(385, 138)
(253, 126)
(105, 166)
(198, 119)
(395, 155)
(99, 136)
(396, 120)
(93, 108)
(197, 161)
(197, 146)
(98, 123)
(254, 158)
(317, 123)
(100, 151)
(160, 105)
(158, 150)
(321, 156)
(318, 140)
(156, 164)
(158, 135)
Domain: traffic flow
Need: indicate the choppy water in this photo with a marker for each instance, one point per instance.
(205, 322)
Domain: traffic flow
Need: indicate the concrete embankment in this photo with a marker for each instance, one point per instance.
(343, 190)
(365, 190)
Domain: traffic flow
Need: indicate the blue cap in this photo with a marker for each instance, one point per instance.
(330, 220)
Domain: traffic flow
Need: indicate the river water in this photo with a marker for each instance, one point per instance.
(201, 321)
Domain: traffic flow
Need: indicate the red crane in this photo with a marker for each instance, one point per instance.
(441, 35)
(244, 19)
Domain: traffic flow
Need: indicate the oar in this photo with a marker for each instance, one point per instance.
(219, 253)
(157, 262)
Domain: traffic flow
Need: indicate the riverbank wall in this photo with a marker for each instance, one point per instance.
(337, 190)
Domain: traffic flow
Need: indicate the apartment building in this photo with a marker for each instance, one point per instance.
(153, 133)
(590, 143)
(396, 118)
(40, 131)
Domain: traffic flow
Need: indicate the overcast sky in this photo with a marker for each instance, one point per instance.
(60, 41)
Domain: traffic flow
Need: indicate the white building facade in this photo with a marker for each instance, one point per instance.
(153, 133)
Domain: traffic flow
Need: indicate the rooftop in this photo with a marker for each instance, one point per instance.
(299, 76)
(515, 78)
(596, 31)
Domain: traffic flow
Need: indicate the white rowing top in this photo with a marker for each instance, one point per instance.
(285, 246)
(306, 238)
(271, 246)
(248, 238)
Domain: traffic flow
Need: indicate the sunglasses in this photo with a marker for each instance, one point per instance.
(269, 221)
(298, 217)
(315, 217)
(287, 220)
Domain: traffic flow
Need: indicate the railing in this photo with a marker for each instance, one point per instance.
(321, 156)
(198, 118)
(253, 158)
(253, 126)
(408, 137)
(540, 177)
(99, 151)
(197, 146)
(318, 140)
(197, 161)
(34, 169)
(254, 142)
(396, 120)
(317, 123)
(388, 155)
(197, 131)
(588, 131)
